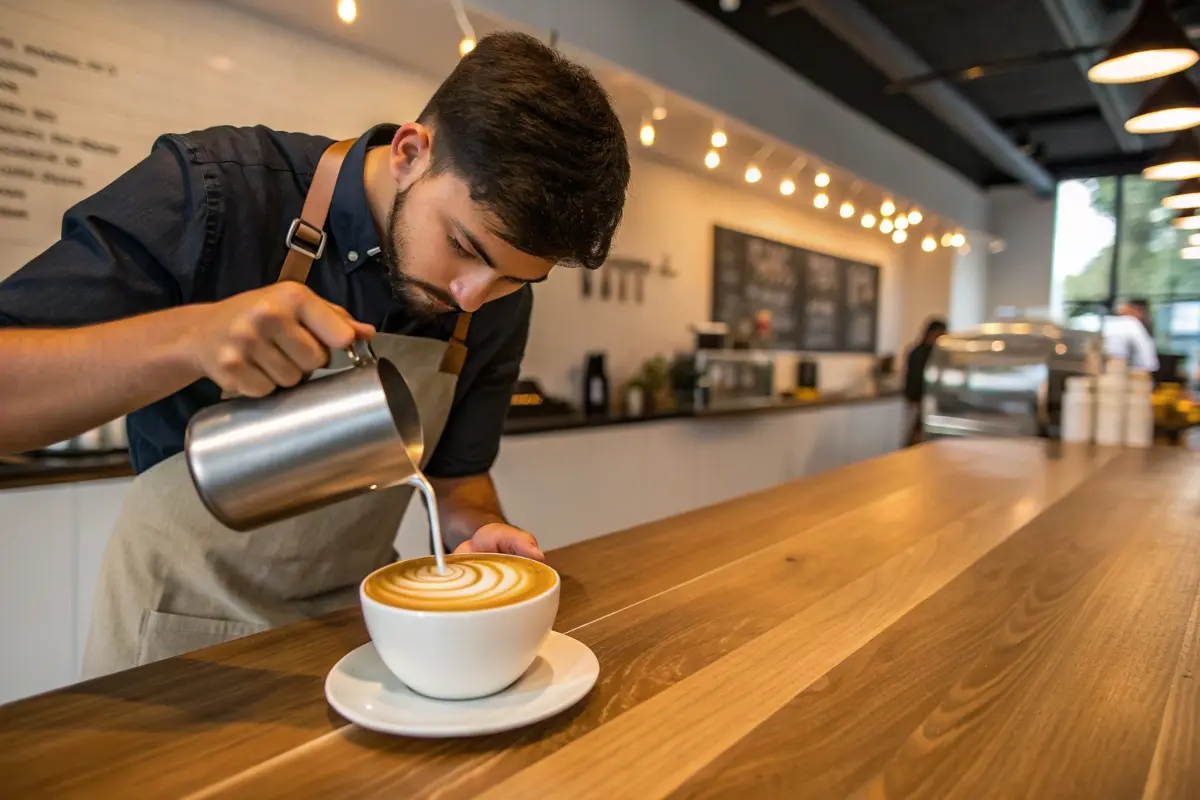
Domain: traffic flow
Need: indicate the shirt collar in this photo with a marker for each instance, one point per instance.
(350, 221)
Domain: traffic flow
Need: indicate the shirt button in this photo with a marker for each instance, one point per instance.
(352, 255)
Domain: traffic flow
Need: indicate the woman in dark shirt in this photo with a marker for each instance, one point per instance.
(914, 376)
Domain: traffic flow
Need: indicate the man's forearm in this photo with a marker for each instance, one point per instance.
(465, 505)
(59, 383)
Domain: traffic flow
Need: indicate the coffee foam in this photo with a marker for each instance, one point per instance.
(472, 581)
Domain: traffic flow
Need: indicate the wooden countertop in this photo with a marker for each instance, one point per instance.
(971, 618)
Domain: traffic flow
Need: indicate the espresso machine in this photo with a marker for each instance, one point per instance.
(1005, 378)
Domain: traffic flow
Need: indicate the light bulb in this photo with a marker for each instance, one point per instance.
(821, 200)
(719, 139)
(347, 11)
(1190, 253)
(822, 179)
(868, 220)
(901, 222)
(1186, 222)
(887, 208)
(899, 235)
(886, 226)
(753, 174)
(659, 113)
(947, 239)
(958, 240)
(466, 45)
(915, 217)
(787, 187)
(712, 160)
(847, 210)
(1186, 195)
(646, 134)
(928, 244)
(1194, 240)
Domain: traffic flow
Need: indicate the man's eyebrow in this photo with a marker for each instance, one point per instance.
(476, 245)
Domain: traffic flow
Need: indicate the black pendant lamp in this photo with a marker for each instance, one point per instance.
(1173, 106)
(1152, 46)
(1187, 220)
(1178, 161)
(1186, 195)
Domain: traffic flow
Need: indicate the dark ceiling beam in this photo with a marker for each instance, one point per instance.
(1050, 119)
(1077, 23)
(857, 27)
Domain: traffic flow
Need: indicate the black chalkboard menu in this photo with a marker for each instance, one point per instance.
(814, 302)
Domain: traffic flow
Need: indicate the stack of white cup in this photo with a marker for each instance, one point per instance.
(1078, 417)
(1139, 410)
(1110, 404)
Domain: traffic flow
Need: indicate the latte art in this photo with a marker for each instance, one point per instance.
(471, 582)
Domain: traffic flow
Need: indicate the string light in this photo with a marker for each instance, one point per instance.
(887, 208)
(886, 226)
(822, 179)
(847, 210)
(1194, 240)
(712, 160)
(787, 187)
(347, 11)
(901, 222)
(468, 41)
(928, 244)
(915, 216)
(958, 240)
(868, 220)
(659, 113)
(899, 236)
(718, 138)
(947, 239)
(1190, 253)
(753, 174)
(1186, 196)
(646, 134)
(821, 200)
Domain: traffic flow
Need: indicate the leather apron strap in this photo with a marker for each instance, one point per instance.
(306, 243)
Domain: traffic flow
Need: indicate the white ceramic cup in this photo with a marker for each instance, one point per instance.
(460, 655)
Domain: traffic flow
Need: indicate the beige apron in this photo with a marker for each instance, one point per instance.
(174, 579)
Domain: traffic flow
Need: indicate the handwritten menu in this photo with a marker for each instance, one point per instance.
(86, 87)
(813, 301)
(46, 163)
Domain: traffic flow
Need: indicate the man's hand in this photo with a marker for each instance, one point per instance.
(497, 537)
(253, 342)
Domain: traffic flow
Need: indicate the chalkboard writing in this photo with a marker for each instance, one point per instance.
(809, 301)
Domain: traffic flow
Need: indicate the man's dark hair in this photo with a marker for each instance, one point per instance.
(536, 139)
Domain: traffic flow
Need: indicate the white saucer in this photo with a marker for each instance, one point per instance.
(364, 691)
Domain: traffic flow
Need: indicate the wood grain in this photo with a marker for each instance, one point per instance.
(968, 618)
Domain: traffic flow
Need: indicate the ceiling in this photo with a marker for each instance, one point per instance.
(1050, 109)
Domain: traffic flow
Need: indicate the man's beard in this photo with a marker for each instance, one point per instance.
(422, 299)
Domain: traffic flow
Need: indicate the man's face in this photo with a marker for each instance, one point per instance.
(442, 255)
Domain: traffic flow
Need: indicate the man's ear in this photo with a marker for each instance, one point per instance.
(412, 148)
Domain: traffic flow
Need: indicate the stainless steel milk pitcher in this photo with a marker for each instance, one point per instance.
(257, 461)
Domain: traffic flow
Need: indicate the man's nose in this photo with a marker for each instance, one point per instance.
(471, 291)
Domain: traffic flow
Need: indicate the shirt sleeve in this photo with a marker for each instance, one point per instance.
(471, 441)
(133, 247)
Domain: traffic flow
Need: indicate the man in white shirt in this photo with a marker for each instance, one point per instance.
(1128, 336)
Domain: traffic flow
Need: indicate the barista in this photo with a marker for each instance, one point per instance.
(166, 289)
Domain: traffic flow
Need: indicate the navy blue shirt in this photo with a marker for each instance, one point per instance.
(203, 218)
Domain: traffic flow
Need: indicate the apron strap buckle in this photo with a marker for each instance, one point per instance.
(306, 239)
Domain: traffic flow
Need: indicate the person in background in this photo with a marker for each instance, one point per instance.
(1130, 336)
(914, 376)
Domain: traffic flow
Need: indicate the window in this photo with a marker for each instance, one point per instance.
(1113, 241)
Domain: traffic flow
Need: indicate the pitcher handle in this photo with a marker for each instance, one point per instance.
(361, 354)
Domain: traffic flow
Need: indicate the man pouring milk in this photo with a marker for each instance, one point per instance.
(180, 281)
